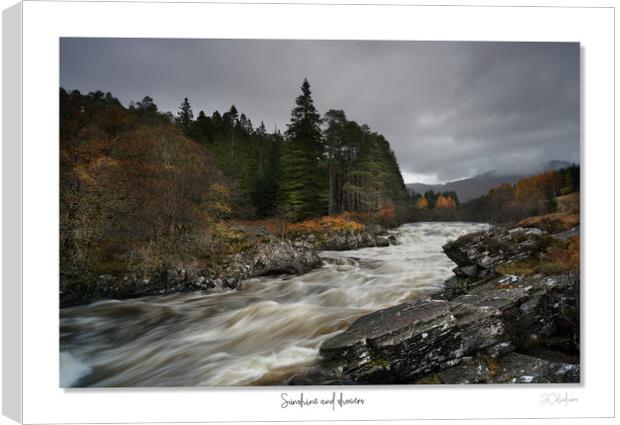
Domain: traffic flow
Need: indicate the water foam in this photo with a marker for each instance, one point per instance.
(261, 334)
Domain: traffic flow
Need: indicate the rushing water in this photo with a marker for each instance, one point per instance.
(260, 334)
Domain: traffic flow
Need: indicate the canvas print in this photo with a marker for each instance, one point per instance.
(305, 212)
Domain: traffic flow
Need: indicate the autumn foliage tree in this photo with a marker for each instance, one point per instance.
(422, 203)
(444, 201)
(530, 196)
(433, 200)
(132, 191)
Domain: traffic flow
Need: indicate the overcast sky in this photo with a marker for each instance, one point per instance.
(449, 109)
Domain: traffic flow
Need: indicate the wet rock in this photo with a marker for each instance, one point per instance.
(280, 257)
(458, 285)
(350, 240)
(467, 271)
(511, 368)
(477, 254)
(539, 312)
(519, 368)
(401, 343)
(382, 242)
(346, 240)
(497, 350)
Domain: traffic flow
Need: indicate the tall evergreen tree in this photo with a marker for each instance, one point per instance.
(261, 130)
(231, 120)
(186, 116)
(304, 181)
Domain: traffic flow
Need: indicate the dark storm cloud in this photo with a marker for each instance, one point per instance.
(449, 109)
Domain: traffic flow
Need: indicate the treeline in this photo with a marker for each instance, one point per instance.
(250, 158)
(531, 196)
(134, 191)
(319, 166)
(143, 190)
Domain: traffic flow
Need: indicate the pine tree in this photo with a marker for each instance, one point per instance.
(261, 130)
(186, 116)
(303, 187)
(231, 119)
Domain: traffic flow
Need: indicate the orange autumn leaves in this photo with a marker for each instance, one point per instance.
(538, 185)
(327, 224)
(445, 202)
(442, 201)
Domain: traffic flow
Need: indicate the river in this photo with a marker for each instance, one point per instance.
(261, 334)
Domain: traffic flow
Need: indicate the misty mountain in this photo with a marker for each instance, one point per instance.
(474, 187)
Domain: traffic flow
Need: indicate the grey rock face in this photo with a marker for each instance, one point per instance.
(477, 254)
(538, 312)
(403, 342)
(271, 258)
(349, 240)
(280, 257)
(512, 368)
(479, 328)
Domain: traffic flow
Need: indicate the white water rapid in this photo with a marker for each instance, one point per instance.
(260, 334)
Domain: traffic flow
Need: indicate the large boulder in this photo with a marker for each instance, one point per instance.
(539, 312)
(477, 254)
(278, 257)
(351, 240)
(401, 343)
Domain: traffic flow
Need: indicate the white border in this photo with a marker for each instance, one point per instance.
(45, 22)
(11, 212)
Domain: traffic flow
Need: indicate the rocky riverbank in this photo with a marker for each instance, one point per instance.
(264, 255)
(510, 314)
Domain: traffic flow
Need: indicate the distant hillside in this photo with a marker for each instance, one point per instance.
(467, 189)
(474, 187)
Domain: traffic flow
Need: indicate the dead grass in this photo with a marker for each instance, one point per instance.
(566, 217)
(561, 258)
(327, 224)
(323, 225)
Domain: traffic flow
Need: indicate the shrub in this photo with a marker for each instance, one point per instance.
(327, 224)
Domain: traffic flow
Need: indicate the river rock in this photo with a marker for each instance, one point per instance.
(477, 254)
(270, 258)
(511, 368)
(280, 257)
(401, 343)
(381, 241)
(459, 285)
(539, 312)
(350, 240)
